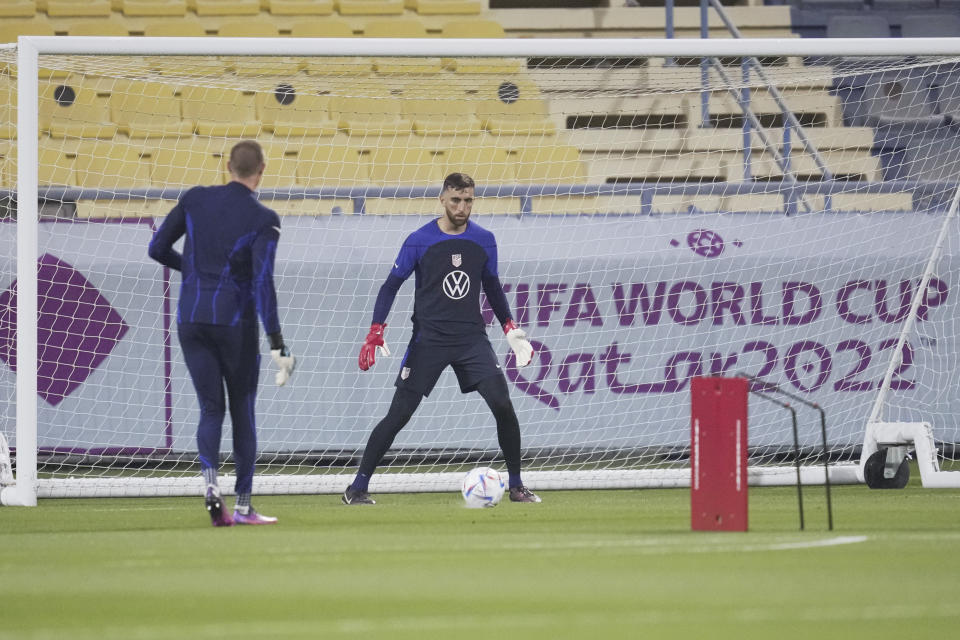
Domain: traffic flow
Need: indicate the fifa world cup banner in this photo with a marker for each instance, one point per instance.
(622, 310)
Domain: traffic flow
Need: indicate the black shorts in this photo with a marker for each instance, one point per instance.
(423, 364)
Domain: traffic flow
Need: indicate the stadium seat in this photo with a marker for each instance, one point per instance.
(453, 7)
(291, 112)
(248, 28)
(108, 27)
(10, 30)
(567, 205)
(78, 8)
(930, 25)
(310, 28)
(657, 166)
(401, 28)
(180, 27)
(369, 7)
(402, 206)
(55, 164)
(188, 162)
(513, 106)
(226, 7)
(370, 115)
(479, 29)
(896, 201)
(437, 109)
(860, 25)
(111, 165)
(546, 162)
(220, 112)
(405, 163)
(8, 108)
(326, 165)
(892, 97)
(335, 65)
(148, 110)
(281, 159)
(621, 140)
(18, 9)
(298, 7)
(71, 110)
(141, 8)
(486, 164)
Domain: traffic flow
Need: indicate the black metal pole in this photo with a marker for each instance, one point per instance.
(796, 446)
(769, 386)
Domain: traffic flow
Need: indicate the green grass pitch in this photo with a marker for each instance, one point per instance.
(583, 564)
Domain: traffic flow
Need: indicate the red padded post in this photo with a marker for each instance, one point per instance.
(718, 454)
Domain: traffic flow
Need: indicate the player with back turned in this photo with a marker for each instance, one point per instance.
(227, 281)
(453, 258)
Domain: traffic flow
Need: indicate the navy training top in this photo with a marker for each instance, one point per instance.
(450, 272)
(228, 256)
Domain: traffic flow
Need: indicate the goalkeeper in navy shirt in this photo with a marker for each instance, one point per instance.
(452, 259)
(226, 282)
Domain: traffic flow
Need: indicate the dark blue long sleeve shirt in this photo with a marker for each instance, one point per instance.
(228, 256)
(450, 272)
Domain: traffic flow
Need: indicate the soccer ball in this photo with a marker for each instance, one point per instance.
(482, 487)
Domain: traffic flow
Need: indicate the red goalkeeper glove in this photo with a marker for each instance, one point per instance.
(517, 339)
(373, 343)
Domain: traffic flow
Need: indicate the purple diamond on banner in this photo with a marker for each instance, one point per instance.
(76, 332)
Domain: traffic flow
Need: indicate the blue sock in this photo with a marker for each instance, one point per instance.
(361, 482)
(515, 480)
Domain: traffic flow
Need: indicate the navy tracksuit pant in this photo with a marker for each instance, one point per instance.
(219, 356)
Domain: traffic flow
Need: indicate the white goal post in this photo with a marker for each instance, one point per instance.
(655, 222)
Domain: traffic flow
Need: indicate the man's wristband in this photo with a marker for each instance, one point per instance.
(276, 340)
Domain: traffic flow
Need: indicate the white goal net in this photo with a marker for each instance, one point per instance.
(660, 214)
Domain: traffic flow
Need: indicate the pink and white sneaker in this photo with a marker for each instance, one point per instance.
(219, 516)
(252, 517)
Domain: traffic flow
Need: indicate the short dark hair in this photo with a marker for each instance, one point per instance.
(246, 157)
(457, 182)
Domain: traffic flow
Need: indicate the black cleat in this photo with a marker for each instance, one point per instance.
(354, 496)
(522, 494)
(219, 517)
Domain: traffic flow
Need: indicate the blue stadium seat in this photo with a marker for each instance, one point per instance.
(930, 25)
(861, 25)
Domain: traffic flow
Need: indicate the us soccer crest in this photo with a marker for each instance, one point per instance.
(457, 259)
(404, 373)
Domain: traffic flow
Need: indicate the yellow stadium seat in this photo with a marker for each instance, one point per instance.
(174, 28)
(248, 28)
(405, 163)
(71, 110)
(479, 29)
(402, 206)
(148, 110)
(111, 165)
(434, 7)
(299, 7)
(550, 163)
(225, 7)
(329, 165)
(8, 108)
(281, 161)
(311, 206)
(401, 28)
(437, 109)
(108, 27)
(486, 164)
(11, 29)
(512, 105)
(472, 29)
(78, 8)
(321, 29)
(18, 9)
(220, 112)
(369, 7)
(366, 115)
(140, 8)
(288, 112)
(54, 164)
(395, 28)
(187, 163)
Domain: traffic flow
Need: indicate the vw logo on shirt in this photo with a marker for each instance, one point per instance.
(456, 285)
